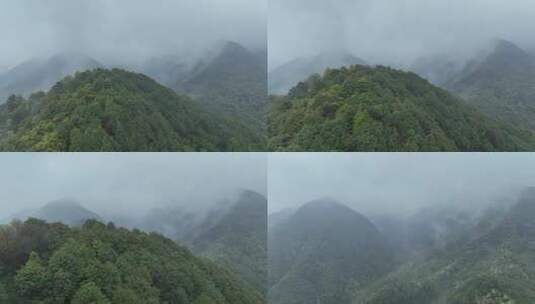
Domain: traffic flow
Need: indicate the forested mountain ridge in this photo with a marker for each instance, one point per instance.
(496, 267)
(323, 251)
(500, 83)
(97, 263)
(115, 110)
(288, 75)
(381, 109)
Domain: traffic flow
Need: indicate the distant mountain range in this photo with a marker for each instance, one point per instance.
(288, 75)
(42, 73)
(65, 211)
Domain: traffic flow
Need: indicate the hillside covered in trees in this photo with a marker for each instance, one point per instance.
(97, 263)
(115, 110)
(362, 108)
(231, 234)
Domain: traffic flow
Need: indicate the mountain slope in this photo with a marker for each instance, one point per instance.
(238, 241)
(233, 83)
(286, 76)
(501, 84)
(380, 109)
(41, 74)
(232, 234)
(51, 263)
(497, 267)
(322, 252)
(114, 110)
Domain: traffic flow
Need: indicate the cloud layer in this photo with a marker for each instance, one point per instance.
(126, 28)
(397, 183)
(127, 183)
(394, 31)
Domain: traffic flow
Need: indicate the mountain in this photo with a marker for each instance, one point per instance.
(381, 109)
(238, 240)
(232, 234)
(115, 110)
(232, 83)
(496, 267)
(501, 83)
(64, 211)
(322, 252)
(41, 74)
(286, 76)
(97, 263)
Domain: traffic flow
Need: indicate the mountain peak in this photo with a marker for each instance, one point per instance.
(507, 50)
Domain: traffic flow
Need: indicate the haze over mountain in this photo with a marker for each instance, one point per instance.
(286, 76)
(441, 228)
(495, 267)
(500, 83)
(41, 74)
(394, 34)
(65, 211)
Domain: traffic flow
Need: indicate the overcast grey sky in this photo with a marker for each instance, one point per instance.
(127, 183)
(131, 28)
(398, 31)
(398, 183)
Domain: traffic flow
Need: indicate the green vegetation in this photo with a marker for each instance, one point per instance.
(380, 109)
(97, 263)
(115, 110)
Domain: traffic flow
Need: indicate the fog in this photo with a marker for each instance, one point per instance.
(127, 184)
(398, 183)
(126, 29)
(395, 32)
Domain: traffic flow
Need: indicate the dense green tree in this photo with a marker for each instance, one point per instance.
(115, 110)
(380, 109)
(31, 280)
(99, 263)
(89, 293)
